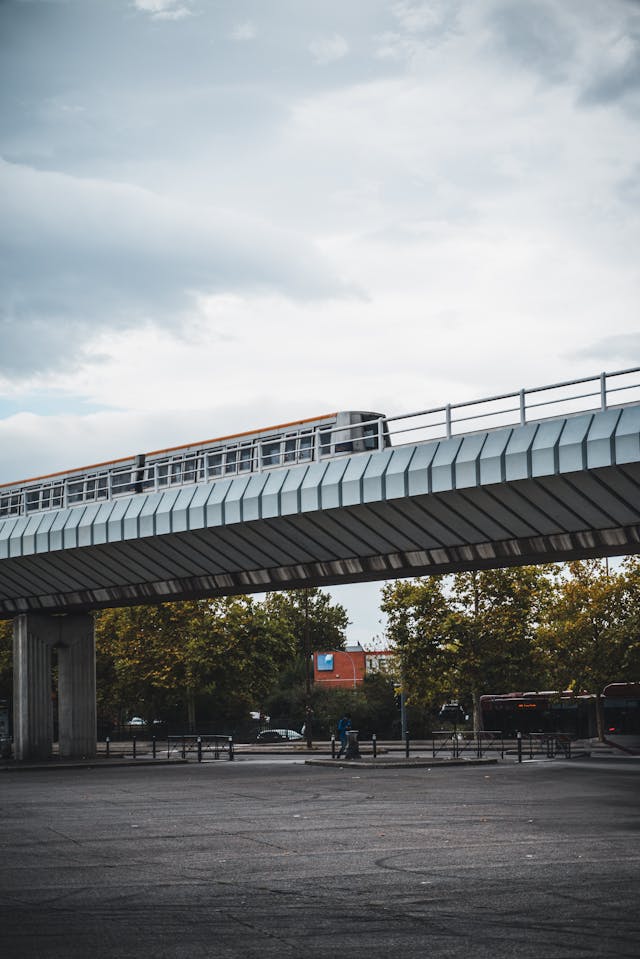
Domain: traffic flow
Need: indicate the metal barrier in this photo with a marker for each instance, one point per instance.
(549, 745)
(203, 747)
(462, 743)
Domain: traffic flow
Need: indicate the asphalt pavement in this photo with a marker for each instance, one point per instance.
(275, 858)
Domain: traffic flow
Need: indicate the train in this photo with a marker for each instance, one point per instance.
(303, 441)
(565, 712)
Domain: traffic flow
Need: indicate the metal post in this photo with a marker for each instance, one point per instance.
(107, 741)
(153, 746)
(447, 420)
(523, 408)
(406, 745)
(333, 746)
(230, 748)
(374, 744)
(134, 747)
(184, 748)
(603, 390)
(519, 738)
(199, 741)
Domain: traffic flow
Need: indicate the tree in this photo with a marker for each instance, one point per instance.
(6, 659)
(461, 635)
(583, 631)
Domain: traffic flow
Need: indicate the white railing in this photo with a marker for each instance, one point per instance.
(308, 444)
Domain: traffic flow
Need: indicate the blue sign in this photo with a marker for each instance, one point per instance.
(325, 661)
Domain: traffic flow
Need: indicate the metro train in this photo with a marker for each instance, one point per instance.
(302, 441)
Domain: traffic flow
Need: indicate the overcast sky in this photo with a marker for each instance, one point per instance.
(222, 215)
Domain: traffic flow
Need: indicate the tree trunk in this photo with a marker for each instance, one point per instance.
(478, 724)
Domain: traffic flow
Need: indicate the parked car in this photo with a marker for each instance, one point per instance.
(279, 736)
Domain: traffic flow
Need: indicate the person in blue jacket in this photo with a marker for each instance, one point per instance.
(344, 725)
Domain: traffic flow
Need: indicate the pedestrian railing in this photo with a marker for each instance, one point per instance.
(465, 743)
(550, 745)
(203, 747)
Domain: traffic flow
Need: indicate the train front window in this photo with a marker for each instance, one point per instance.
(370, 436)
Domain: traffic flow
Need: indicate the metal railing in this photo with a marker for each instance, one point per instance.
(202, 747)
(320, 442)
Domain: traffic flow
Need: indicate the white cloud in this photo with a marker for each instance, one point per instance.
(246, 30)
(326, 50)
(164, 9)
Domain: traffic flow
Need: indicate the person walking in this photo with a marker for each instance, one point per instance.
(344, 725)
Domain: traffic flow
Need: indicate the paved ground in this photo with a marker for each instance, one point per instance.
(272, 858)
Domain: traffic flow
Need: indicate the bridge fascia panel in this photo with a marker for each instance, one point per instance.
(271, 494)
(330, 485)
(601, 439)
(196, 509)
(467, 461)
(86, 525)
(419, 471)
(310, 487)
(396, 482)
(251, 504)
(517, 457)
(115, 521)
(373, 480)
(156, 514)
(290, 495)
(15, 537)
(572, 448)
(601, 490)
(131, 519)
(232, 506)
(443, 464)
(492, 457)
(99, 529)
(627, 438)
(214, 509)
(544, 449)
(353, 479)
(56, 533)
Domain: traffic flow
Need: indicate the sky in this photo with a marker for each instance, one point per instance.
(217, 216)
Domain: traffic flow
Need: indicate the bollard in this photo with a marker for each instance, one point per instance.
(153, 746)
(107, 741)
(230, 748)
(199, 741)
(333, 746)
(134, 747)
(374, 744)
(406, 745)
(519, 738)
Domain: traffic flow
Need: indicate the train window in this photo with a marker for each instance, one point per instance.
(231, 461)
(246, 458)
(176, 470)
(190, 473)
(162, 474)
(305, 447)
(75, 491)
(325, 441)
(290, 450)
(370, 436)
(214, 464)
(271, 453)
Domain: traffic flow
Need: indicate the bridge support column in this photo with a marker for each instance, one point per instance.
(34, 637)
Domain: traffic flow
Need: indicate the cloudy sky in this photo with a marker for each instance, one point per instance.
(222, 215)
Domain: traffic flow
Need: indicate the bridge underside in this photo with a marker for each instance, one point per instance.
(544, 492)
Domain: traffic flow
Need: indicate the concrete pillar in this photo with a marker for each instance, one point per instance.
(32, 707)
(34, 637)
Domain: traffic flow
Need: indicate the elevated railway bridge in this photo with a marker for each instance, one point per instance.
(538, 475)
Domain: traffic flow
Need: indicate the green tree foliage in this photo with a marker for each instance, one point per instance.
(583, 631)
(462, 635)
(150, 659)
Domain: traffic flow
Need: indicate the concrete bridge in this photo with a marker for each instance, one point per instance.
(544, 489)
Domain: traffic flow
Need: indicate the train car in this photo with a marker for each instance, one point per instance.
(303, 441)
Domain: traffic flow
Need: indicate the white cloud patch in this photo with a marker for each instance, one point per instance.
(246, 30)
(164, 9)
(326, 50)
